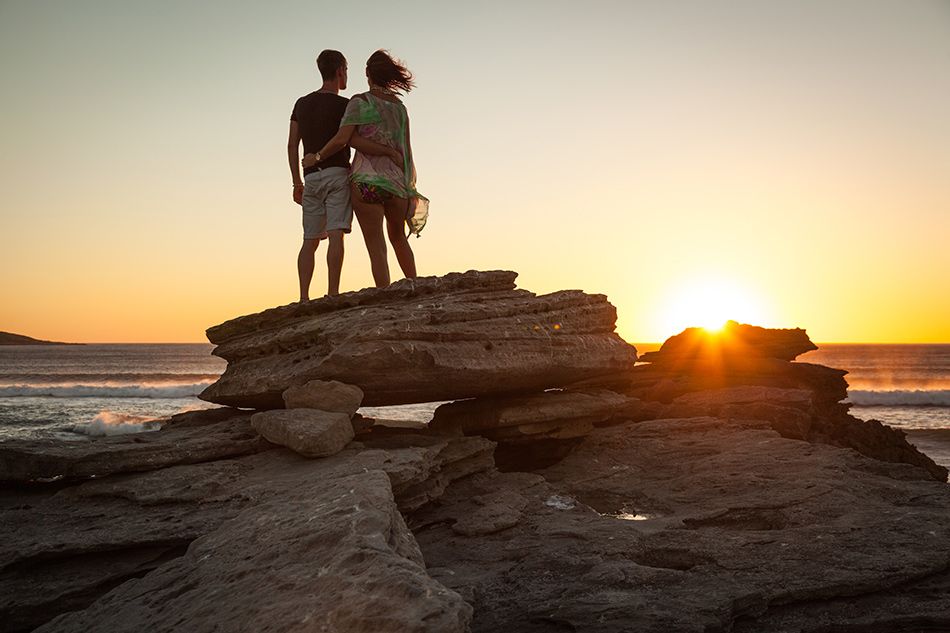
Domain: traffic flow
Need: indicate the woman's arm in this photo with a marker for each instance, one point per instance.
(334, 145)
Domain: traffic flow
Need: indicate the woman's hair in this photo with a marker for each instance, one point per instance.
(389, 73)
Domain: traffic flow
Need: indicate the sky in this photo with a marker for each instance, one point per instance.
(785, 164)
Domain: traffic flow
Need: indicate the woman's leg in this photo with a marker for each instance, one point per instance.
(370, 217)
(395, 210)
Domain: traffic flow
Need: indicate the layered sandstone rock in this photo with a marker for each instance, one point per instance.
(421, 340)
(720, 490)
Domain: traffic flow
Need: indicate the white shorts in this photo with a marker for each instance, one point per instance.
(326, 202)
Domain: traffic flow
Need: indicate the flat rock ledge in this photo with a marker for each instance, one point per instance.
(421, 340)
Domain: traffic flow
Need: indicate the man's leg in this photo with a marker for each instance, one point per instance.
(334, 261)
(305, 266)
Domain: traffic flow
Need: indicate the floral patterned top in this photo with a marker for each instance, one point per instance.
(386, 122)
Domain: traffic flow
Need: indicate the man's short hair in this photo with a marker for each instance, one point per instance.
(329, 62)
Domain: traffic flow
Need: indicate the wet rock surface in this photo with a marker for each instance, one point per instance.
(421, 340)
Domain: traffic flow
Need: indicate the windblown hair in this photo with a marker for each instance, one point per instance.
(387, 72)
(329, 62)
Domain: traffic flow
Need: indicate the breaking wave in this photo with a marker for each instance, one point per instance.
(156, 391)
(109, 423)
(900, 398)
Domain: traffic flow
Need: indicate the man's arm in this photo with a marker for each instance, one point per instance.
(293, 156)
(365, 146)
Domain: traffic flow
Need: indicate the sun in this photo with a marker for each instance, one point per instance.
(709, 303)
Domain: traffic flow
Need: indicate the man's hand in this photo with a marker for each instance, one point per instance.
(298, 194)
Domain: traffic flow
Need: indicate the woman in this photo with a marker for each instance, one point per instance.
(381, 186)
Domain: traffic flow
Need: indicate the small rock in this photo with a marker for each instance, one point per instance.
(326, 395)
(310, 432)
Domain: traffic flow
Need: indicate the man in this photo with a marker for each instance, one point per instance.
(324, 191)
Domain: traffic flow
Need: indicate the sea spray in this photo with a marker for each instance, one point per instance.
(112, 423)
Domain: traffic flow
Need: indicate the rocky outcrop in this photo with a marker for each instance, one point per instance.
(746, 364)
(720, 487)
(421, 340)
(308, 432)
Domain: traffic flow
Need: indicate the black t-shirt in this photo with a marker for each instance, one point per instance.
(318, 116)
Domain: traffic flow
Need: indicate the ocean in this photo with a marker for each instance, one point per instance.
(76, 392)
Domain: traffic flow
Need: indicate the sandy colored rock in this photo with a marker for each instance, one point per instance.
(309, 432)
(326, 395)
(429, 339)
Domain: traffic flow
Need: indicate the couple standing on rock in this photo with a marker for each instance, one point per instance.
(380, 183)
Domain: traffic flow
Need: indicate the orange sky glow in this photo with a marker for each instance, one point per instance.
(782, 164)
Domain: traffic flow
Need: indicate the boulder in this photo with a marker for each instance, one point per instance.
(734, 339)
(326, 395)
(309, 432)
(462, 335)
(325, 556)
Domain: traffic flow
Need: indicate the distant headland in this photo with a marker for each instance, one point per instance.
(8, 338)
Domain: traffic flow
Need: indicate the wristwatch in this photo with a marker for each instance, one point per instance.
(317, 155)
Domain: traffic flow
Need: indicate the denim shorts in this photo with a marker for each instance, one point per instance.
(326, 202)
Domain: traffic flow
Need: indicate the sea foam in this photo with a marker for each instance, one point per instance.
(110, 423)
(157, 391)
(900, 398)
